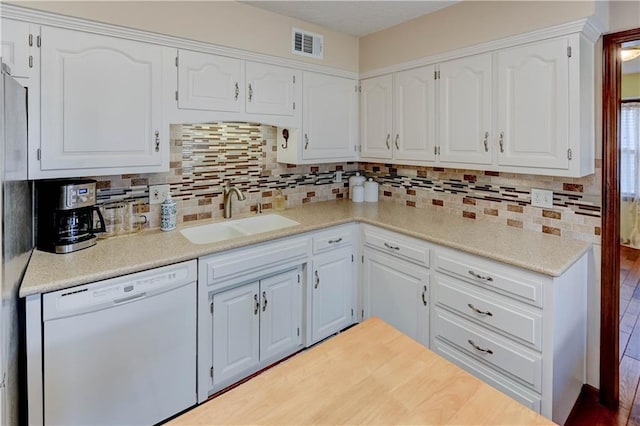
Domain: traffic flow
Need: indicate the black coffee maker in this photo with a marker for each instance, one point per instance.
(65, 215)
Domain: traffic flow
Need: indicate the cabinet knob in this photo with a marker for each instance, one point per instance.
(392, 247)
(306, 141)
(237, 90)
(479, 349)
(486, 141)
(397, 145)
(478, 311)
(337, 240)
(317, 279)
(257, 304)
(157, 141)
(501, 141)
(264, 301)
(387, 141)
(250, 92)
(480, 277)
(424, 295)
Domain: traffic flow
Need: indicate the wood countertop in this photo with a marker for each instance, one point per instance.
(370, 374)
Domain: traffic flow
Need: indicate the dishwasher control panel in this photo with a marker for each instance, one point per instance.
(119, 290)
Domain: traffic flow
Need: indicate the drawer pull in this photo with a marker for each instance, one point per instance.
(335, 241)
(424, 296)
(317, 280)
(389, 246)
(257, 304)
(473, 308)
(264, 299)
(480, 277)
(478, 348)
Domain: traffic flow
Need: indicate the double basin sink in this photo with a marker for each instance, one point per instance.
(221, 231)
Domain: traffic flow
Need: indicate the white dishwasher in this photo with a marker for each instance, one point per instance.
(121, 351)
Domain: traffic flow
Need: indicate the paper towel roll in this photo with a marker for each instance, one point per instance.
(371, 191)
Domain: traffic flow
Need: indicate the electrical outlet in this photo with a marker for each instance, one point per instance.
(541, 198)
(158, 193)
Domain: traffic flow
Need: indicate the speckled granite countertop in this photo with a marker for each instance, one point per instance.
(538, 252)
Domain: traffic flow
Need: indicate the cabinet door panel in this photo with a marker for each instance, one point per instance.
(376, 105)
(210, 82)
(533, 113)
(414, 119)
(397, 292)
(236, 319)
(15, 47)
(281, 314)
(465, 104)
(332, 289)
(101, 102)
(329, 117)
(270, 89)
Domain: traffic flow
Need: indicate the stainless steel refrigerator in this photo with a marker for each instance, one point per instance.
(16, 231)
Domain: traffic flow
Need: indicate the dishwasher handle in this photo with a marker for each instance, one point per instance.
(130, 298)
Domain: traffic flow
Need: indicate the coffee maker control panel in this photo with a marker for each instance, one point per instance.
(77, 196)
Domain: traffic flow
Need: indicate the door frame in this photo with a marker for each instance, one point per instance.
(610, 266)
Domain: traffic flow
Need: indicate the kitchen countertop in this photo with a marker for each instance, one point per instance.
(369, 374)
(112, 257)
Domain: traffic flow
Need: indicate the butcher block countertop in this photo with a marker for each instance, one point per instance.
(116, 256)
(370, 374)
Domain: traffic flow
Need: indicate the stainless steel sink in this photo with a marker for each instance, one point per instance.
(221, 231)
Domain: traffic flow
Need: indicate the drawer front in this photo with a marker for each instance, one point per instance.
(510, 281)
(490, 349)
(491, 377)
(506, 318)
(397, 245)
(332, 238)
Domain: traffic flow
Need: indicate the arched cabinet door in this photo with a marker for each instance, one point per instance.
(101, 102)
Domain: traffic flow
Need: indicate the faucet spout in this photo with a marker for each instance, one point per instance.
(227, 192)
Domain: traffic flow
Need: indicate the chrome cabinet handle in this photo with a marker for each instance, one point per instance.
(250, 92)
(480, 277)
(264, 301)
(257, 304)
(389, 246)
(157, 140)
(478, 348)
(335, 241)
(478, 311)
(317, 279)
(387, 141)
(397, 145)
(501, 141)
(486, 142)
(237, 90)
(424, 296)
(306, 141)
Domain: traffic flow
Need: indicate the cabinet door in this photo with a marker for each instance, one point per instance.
(414, 114)
(101, 103)
(376, 105)
(533, 105)
(397, 292)
(332, 286)
(465, 103)
(17, 46)
(329, 117)
(281, 314)
(270, 89)
(236, 324)
(210, 82)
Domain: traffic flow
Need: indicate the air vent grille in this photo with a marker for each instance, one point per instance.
(307, 44)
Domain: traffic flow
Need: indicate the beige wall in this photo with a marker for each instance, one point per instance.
(624, 15)
(226, 23)
(464, 24)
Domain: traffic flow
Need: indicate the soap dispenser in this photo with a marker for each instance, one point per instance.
(169, 214)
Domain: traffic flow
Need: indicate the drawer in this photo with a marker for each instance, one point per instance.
(502, 355)
(490, 310)
(514, 282)
(491, 377)
(332, 238)
(398, 245)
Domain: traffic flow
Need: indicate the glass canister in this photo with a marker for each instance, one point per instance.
(169, 213)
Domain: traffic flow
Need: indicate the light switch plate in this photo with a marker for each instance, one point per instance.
(158, 193)
(541, 198)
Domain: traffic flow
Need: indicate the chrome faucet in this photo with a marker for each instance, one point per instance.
(228, 190)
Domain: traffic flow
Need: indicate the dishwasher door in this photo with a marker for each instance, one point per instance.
(121, 351)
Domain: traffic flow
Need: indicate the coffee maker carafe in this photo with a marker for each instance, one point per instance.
(65, 215)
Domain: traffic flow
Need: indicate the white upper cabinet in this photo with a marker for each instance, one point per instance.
(270, 89)
(533, 105)
(414, 115)
(210, 82)
(329, 122)
(101, 105)
(376, 115)
(464, 110)
(18, 40)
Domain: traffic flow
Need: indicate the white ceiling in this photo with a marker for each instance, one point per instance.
(357, 18)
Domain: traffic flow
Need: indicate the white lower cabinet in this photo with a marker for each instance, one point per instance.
(397, 292)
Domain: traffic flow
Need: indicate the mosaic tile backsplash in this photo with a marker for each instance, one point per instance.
(205, 157)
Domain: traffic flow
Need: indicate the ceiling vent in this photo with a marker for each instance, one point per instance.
(307, 44)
